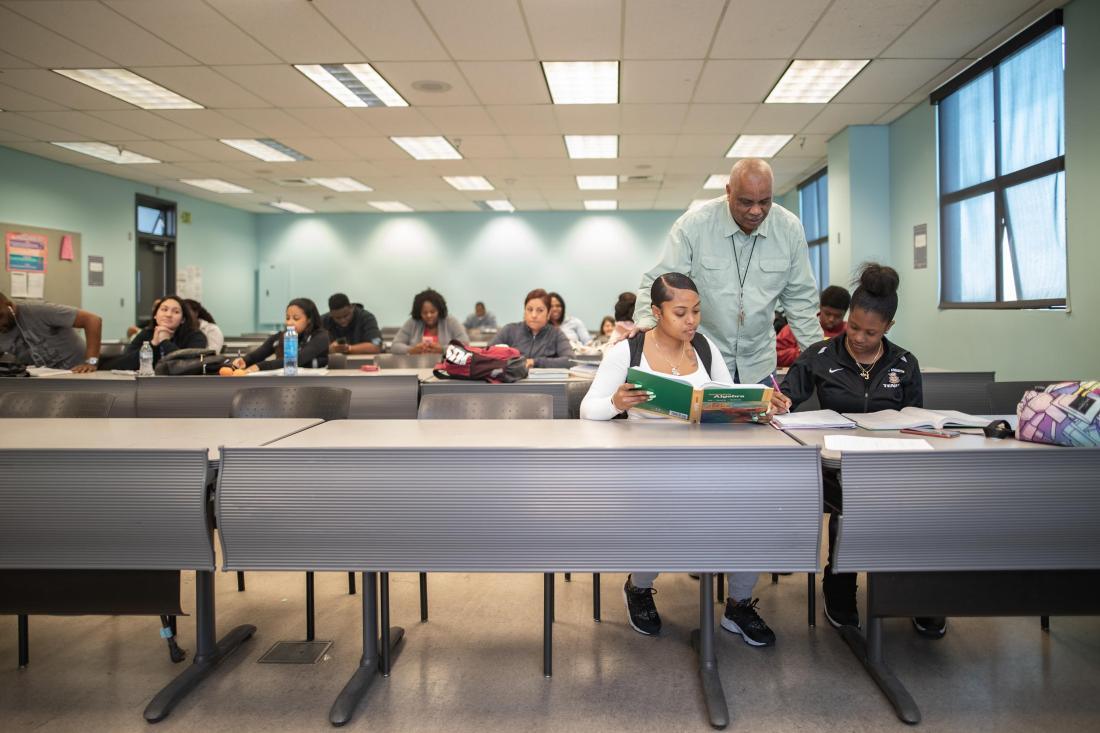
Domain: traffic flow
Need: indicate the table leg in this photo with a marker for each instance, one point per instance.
(596, 596)
(811, 599)
(384, 620)
(310, 623)
(208, 650)
(423, 597)
(702, 640)
(547, 624)
(24, 642)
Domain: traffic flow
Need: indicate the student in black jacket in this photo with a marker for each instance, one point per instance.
(173, 326)
(302, 314)
(859, 371)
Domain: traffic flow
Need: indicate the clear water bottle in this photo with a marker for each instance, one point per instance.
(290, 352)
(145, 356)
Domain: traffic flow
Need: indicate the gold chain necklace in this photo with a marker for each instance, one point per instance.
(675, 367)
(864, 372)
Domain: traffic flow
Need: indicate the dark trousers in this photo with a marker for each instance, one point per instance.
(839, 588)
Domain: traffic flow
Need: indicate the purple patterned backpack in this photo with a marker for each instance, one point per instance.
(1066, 413)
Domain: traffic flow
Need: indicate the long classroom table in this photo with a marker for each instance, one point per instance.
(567, 392)
(488, 496)
(974, 527)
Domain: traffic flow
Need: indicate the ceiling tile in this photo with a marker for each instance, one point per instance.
(738, 81)
(537, 146)
(890, 80)
(507, 82)
(477, 147)
(280, 86)
(652, 119)
(36, 129)
(479, 29)
(212, 150)
(403, 74)
(947, 74)
(659, 82)
(805, 146)
(147, 124)
(61, 90)
(100, 29)
(768, 30)
(525, 119)
(271, 122)
(575, 30)
(860, 29)
(588, 119)
(835, 117)
(670, 29)
(293, 30)
(392, 30)
(7, 136)
(336, 122)
(953, 28)
(16, 100)
(779, 118)
(729, 119)
(636, 146)
(32, 42)
(203, 85)
(162, 151)
(7, 61)
(376, 148)
(399, 121)
(895, 112)
(713, 146)
(319, 149)
(461, 120)
(208, 122)
(91, 128)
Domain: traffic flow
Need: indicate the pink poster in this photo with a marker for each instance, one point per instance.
(66, 248)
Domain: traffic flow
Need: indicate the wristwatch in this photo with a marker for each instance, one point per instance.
(93, 360)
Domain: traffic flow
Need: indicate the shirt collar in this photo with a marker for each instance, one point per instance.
(732, 228)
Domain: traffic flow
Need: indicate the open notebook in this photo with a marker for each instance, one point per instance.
(915, 417)
(812, 420)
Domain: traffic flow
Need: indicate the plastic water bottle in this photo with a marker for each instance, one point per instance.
(290, 352)
(145, 356)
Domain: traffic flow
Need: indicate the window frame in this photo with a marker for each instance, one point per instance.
(822, 241)
(1000, 182)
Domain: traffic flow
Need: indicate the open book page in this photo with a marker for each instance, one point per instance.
(914, 417)
(812, 420)
(842, 443)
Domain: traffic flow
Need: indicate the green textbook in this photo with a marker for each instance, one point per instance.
(714, 402)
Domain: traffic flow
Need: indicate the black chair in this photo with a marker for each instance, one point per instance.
(337, 361)
(55, 404)
(1005, 396)
(322, 403)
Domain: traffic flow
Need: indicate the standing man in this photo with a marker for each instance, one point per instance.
(745, 254)
(352, 329)
(44, 335)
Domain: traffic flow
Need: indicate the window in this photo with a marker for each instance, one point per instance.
(156, 220)
(813, 204)
(1002, 176)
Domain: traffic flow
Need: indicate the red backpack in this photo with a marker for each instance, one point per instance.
(494, 364)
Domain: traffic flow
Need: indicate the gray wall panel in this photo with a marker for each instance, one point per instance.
(520, 509)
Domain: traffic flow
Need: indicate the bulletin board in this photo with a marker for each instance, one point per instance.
(62, 277)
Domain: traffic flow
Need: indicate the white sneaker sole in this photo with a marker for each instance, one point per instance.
(834, 623)
(732, 627)
(630, 620)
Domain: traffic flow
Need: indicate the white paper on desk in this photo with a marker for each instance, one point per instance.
(36, 285)
(302, 372)
(19, 285)
(843, 443)
(48, 372)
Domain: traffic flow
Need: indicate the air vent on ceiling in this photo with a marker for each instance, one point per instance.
(293, 182)
(641, 181)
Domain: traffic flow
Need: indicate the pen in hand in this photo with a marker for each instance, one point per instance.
(778, 391)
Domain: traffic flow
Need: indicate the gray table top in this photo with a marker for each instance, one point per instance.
(148, 432)
(567, 434)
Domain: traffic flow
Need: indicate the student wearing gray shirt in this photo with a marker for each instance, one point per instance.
(543, 344)
(747, 255)
(44, 335)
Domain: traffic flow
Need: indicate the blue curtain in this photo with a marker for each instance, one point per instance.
(1032, 104)
(969, 239)
(966, 135)
(1035, 228)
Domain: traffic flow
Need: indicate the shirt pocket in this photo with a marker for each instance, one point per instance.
(773, 274)
(714, 269)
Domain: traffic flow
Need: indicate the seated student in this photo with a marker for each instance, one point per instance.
(673, 347)
(480, 318)
(429, 328)
(624, 317)
(834, 304)
(543, 344)
(302, 314)
(44, 335)
(572, 327)
(859, 371)
(215, 339)
(607, 327)
(173, 326)
(352, 329)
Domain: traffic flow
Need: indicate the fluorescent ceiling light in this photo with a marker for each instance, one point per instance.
(343, 185)
(391, 207)
(696, 203)
(469, 183)
(500, 205)
(601, 205)
(129, 87)
(353, 85)
(808, 81)
(427, 148)
(582, 82)
(266, 149)
(757, 146)
(291, 207)
(597, 183)
(592, 146)
(109, 153)
(717, 180)
(216, 185)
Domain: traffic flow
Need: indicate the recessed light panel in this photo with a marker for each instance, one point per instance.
(469, 183)
(814, 81)
(216, 185)
(758, 146)
(353, 85)
(592, 146)
(291, 207)
(428, 148)
(498, 205)
(390, 207)
(342, 185)
(129, 87)
(109, 153)
(603, 205)
(597, 183)
(266, 149)
(582, 82)
(717, 180)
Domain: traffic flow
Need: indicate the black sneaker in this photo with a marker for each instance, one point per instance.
(842, 618)
(839, 592)
(932, 627)
(742, 618)
(640, 609)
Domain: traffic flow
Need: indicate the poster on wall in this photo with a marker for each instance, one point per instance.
(189, 282)
(920, 246)
(26, 252)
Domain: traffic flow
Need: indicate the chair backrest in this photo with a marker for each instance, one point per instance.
(508, 406)
(322, 403)
(1005, 396)
(963, 391)
(337, 361)
(407, 361)
(55, 404)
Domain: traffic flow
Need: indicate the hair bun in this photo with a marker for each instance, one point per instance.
(879, 280)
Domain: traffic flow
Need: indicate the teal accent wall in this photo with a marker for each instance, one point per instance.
(859, 199)
(222, 241)
(383, 260)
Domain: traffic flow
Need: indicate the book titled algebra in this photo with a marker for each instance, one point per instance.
(713, 402)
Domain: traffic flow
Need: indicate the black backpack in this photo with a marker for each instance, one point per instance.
(637, 344)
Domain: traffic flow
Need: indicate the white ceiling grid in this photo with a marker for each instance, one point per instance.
(693, 76)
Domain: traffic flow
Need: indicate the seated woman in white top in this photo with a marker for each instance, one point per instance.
(215, 339)
(668, 349)
(571, 326)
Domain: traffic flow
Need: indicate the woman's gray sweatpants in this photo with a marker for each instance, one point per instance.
(740, 584)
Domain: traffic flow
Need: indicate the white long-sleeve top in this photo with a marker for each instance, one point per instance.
(597, 404)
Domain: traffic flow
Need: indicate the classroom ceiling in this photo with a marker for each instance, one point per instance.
(693, 76)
